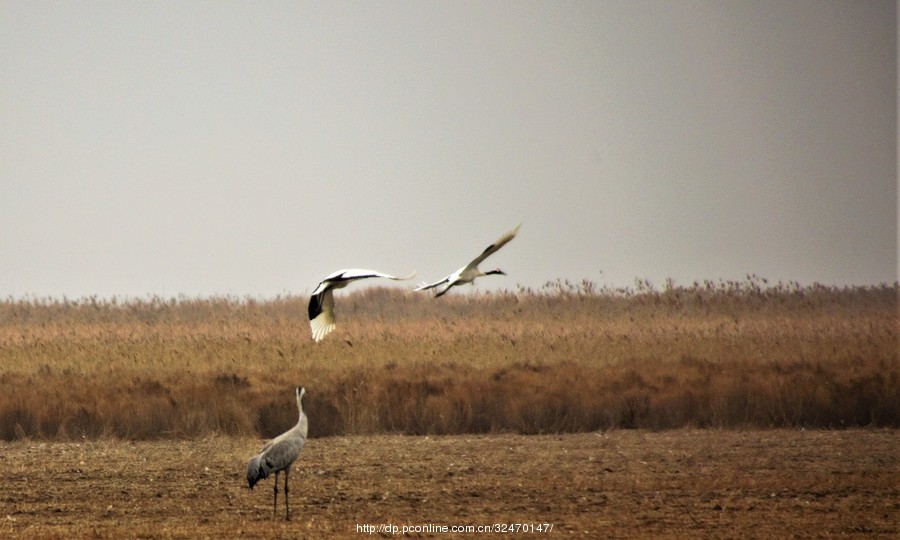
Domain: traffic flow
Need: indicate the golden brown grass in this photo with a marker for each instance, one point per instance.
(565, 358)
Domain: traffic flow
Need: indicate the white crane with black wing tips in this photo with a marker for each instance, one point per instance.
(278, 455)
(321, 303)
(469, 272)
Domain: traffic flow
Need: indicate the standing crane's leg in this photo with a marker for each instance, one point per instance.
(287, 509)
(275, 503)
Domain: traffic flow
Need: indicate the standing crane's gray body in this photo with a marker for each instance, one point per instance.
(279, 454)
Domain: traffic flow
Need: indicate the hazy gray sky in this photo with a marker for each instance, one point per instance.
(252, 148)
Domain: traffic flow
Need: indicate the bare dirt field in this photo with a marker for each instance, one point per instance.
(618, 484)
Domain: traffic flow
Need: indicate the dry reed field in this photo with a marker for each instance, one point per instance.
(565, 358)
(701, 411)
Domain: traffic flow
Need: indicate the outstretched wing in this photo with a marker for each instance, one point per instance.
(491, 249)
(321, 303)
(342, 278)
(425, 286)
(358, 273)
(321, 314)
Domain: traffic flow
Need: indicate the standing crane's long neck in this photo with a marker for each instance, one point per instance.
(302, 422)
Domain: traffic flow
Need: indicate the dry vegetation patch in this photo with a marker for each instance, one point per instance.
(566, 358)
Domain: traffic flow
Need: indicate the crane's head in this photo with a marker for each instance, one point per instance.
(300, 393)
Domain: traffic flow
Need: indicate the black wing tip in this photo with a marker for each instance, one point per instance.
(315, 305)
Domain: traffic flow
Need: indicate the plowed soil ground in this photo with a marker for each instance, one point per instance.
(620, 484)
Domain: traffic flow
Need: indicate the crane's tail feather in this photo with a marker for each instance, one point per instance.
(255, 472)
(443, 291)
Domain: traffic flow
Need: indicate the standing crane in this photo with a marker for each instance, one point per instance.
(279, 455)
(321, 303)
(469, 272)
